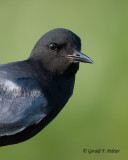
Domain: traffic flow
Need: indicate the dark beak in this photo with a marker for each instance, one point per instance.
(80, 57)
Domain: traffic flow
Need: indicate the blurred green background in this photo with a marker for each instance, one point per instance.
(97, 114)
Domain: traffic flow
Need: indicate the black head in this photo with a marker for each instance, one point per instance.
(59, 52)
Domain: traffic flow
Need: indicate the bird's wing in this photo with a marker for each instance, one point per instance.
(21, 104)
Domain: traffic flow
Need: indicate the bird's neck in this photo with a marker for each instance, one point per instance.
(57, 87)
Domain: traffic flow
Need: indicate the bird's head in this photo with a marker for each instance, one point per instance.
(59, 52)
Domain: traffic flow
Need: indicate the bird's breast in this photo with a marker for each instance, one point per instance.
(59, 91)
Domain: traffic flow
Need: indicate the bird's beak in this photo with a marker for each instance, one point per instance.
(80, 57)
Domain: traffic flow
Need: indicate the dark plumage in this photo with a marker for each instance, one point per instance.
(32, 92)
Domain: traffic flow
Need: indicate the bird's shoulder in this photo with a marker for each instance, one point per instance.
(19, 69)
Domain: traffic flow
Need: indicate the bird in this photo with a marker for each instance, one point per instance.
(34, 91)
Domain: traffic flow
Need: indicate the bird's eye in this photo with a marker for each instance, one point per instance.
(53, 46)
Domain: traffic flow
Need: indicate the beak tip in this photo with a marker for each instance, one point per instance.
(84, 58)
(80, 57)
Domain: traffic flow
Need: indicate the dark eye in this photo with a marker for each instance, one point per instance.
(53, 46)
